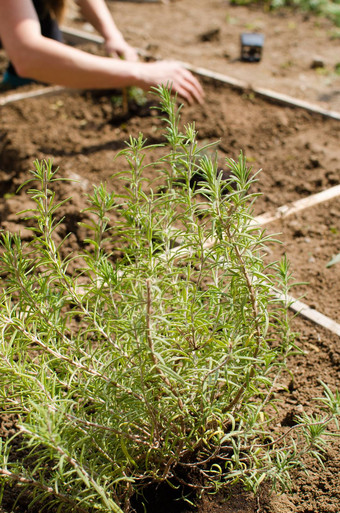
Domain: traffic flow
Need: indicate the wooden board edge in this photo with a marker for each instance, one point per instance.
(44, 91)
(299, 205)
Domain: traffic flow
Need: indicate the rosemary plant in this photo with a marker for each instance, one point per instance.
(135, 370)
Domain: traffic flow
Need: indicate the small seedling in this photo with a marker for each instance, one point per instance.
(128, 95)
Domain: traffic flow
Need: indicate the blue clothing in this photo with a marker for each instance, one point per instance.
(12, 80)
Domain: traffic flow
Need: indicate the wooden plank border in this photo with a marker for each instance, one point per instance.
(312, 315)
(265, 93)
(299, 205)
(43, 91)
(77, 36)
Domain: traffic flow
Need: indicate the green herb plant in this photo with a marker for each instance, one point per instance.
(157, 365)
(129, 95)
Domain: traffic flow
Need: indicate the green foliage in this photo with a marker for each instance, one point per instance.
(327, 8)
(129, 371)
(133, 94)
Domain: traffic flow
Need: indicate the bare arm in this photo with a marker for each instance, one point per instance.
(98, 14)
(46, 60)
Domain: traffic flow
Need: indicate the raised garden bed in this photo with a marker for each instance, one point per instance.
(296, 150)
(298, 153)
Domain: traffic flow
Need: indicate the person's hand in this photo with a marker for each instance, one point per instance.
(118, 47)
(174, 75)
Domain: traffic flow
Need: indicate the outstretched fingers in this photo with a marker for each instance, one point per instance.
(188, 87)
(182, 81)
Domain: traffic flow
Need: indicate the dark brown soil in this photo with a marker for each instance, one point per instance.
(207, 33)
(297, 151)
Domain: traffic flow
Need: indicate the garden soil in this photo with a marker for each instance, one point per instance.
(297, 152)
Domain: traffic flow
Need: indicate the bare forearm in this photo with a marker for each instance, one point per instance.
(53, 62)
(97, 13)
(46, 60)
